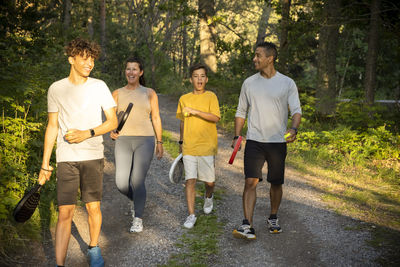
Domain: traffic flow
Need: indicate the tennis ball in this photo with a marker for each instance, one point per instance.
(69, 131)
(287, 135)
(186, 114)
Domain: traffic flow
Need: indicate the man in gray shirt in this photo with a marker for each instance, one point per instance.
(265, 97)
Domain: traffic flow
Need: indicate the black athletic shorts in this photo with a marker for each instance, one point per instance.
(84, 175)
(255, 155)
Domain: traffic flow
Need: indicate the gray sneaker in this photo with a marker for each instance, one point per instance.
(273, 226)
(245, 231)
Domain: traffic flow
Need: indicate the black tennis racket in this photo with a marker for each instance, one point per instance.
(177, 170)
(124, 117)
(27, 205)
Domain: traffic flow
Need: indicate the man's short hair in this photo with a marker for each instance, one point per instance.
(197, 67)
(270, 49)
(82, 47)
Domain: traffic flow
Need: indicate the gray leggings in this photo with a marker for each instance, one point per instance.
(133, 155)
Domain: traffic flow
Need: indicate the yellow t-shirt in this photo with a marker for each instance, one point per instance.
(199, 135)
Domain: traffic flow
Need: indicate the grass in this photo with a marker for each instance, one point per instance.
(201, 242)
(359, 193)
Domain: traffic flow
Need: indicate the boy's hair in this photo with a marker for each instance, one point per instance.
(82, 47)
(270, 49)
(139, 61)
(197, 67)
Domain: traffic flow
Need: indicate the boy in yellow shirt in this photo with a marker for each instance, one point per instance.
(199, 113)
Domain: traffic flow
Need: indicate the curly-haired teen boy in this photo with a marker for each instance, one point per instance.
(75, 105)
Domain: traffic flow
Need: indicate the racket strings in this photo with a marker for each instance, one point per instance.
(28, 208)
(178, 172)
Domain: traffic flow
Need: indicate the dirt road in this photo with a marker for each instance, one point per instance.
(312, 235)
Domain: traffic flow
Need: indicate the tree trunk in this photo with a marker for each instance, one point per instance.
(67, 15)
(103, 34)
(327, 52)
(207, 33)
(283, 44)
(372, 53)
(184, 51)
(263, 23)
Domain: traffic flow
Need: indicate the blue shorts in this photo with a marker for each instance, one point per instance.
(257, 153)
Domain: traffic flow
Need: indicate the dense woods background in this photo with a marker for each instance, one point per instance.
(343, 54)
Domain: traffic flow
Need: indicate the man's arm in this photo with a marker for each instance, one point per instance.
(49, 140)
(204, 115)
(77, 136)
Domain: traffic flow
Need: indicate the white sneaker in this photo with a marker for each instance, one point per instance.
(137, 225)
(208, 204)
(190, 221)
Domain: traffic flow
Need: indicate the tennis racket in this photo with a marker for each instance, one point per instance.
(177, 169)
(27, 205)
(124, 117)
(235, 149)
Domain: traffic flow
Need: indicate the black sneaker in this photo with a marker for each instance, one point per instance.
(274, 227)
(245, 231)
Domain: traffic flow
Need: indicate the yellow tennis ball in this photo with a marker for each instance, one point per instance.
(186, 114)
(287, 135)
(69, 131)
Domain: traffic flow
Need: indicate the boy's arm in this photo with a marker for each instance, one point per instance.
(77, 136)
(204, 115)
(49, 140)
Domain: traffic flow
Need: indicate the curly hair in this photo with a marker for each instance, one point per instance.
(82, 47)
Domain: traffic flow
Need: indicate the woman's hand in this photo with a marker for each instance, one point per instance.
(114, 135)
(159, 150)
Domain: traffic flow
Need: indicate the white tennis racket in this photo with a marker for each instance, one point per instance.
(177, 170)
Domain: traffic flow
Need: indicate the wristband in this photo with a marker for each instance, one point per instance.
(159, 142)
(46, 169)
(180, 142)
(295, 129)
(92, 133)
(236, 137)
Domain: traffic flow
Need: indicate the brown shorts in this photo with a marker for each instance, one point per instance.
(84, 175)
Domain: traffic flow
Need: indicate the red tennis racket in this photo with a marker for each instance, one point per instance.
(236, 149)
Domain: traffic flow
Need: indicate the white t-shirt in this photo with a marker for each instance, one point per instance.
(266, 102)
(79, 107)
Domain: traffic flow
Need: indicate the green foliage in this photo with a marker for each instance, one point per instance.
(343, 147)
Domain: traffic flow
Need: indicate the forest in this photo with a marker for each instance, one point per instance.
(344, 56)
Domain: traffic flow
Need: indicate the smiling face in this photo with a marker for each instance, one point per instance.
(261, 59)
(199, 79)
(133, 72)
(81, 65)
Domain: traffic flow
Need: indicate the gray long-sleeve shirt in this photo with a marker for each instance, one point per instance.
(266, 102)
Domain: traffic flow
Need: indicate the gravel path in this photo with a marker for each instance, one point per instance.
(312, 234)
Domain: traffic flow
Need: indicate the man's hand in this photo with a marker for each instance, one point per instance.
(75, 136)
(234, 143)
(292, 136)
